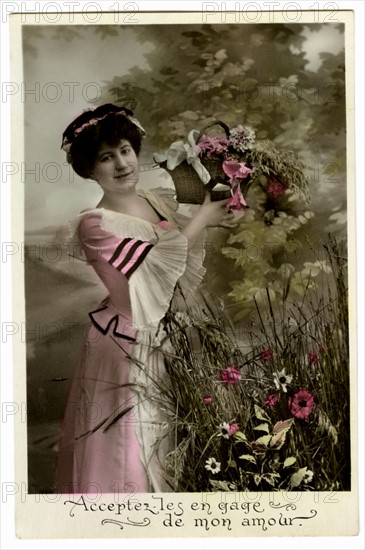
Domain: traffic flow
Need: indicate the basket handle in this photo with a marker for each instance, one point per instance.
(217, 122)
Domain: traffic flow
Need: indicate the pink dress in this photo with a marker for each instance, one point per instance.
(115, 437)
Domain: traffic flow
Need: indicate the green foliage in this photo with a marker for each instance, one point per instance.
(239, 73)
(255, 75)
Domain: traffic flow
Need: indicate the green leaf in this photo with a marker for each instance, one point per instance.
(168, 71)
(289, 461)
(278, 440)
(271, 478)
(262, 428)
(257, 479)
(254, 118)
(223, 485)
(250, 458)
(264, 440)
(240, 435)
(297, 478)
(261, 414)
(283, 426)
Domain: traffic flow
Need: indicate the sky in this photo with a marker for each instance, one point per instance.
(68, 75)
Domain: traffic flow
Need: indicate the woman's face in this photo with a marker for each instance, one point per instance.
(116, 168)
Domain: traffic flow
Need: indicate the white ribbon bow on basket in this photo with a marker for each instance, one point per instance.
(180, 151)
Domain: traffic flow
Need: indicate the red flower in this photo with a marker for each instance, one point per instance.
(266, 355)
(275, 188)
(230, 375)
(301, 404)
(313, 357)
(272, 399)
(207, 399)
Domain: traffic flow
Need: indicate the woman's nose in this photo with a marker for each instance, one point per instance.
(120, 162)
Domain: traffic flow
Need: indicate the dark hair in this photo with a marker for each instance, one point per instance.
(110, 130)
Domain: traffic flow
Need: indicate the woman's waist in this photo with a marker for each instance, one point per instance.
(108, 316)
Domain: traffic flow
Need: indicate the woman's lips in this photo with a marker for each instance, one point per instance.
(122, 176)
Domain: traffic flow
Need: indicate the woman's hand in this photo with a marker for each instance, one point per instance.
(215, 214)
(210, 214)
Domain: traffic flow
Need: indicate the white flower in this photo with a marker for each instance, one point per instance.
(308, 476)
(281, 380)
(213, 466)
(223, 430)
(182, 318)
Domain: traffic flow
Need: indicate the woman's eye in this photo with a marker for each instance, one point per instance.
(103, 159)
(127, 150)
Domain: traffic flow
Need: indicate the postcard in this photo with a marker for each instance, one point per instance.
(184, 270)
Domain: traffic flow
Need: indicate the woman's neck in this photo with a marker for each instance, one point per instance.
(120, 202)
(131, 204)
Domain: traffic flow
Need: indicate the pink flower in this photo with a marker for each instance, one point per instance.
(212, 145)
(237, 201)
(266, 355)
(164, 224)
(272, 399)
(234, 169)
(233, 428)
(301, 404)
(230, 375)
(275, 188)
(207, 399)
(313, 358)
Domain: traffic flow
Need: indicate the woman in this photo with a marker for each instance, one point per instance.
(114, 436)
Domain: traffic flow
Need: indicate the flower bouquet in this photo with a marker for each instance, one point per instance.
(227, 166)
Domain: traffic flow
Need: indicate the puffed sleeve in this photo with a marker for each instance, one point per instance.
(147, 270)
(194, 269)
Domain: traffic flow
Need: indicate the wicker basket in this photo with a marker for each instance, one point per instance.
(189, 187)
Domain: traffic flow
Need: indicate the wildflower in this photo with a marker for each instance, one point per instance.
(281, 380)
(213, 466)
(233, 428)
(301, 404)
(275, 188)
(207, 399)
(227, 430)
(242, 137)
(266, 355)
(230, 375)
(223, 430)
(313, 358)
(308, 476)
(272, 399)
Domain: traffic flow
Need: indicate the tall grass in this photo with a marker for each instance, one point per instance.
(294, 347)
